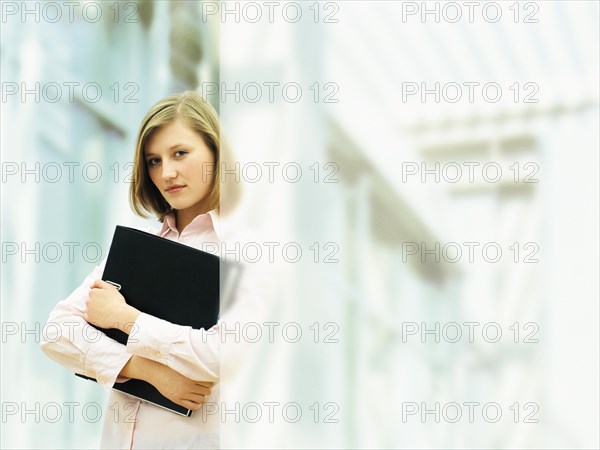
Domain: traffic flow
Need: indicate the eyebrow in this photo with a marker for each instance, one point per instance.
(170, 148)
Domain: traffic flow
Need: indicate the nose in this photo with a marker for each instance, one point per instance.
(168, 171)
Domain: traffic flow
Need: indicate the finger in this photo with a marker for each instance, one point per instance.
(202, 390)
(199, 393)
(207, 384)
(193, 405)
(189, 404)
(101, 284)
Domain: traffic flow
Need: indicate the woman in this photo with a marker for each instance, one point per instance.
(176, 174)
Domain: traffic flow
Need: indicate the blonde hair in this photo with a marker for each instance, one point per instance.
(201, 117)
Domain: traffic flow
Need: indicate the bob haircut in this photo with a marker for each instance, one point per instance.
(197, 114)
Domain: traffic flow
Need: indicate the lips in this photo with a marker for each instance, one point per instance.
(175, 188)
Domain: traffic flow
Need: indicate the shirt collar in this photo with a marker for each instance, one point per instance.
(201, 222)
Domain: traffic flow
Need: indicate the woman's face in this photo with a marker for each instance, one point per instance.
(180, 165)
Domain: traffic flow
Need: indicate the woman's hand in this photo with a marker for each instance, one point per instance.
(106, 308)
(188, 393)
(179, 389)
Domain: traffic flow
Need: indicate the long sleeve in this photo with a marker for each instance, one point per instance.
(69, 340)
(203, 355)
(193, 353)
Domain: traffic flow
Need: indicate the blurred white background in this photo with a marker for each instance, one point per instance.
(385, 107)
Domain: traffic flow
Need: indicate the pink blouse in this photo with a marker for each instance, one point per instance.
(131, 423)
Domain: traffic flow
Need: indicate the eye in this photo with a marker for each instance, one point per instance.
(153, 161)
(181, 152)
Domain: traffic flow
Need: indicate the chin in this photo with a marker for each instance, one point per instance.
(179, 206)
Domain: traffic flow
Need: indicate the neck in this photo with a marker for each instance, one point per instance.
(184, 218)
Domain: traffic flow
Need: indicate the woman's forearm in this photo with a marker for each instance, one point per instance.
(139, 368)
